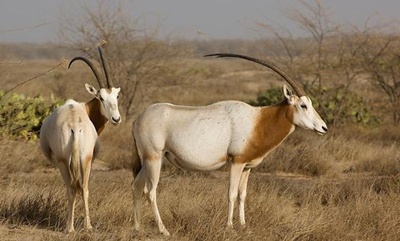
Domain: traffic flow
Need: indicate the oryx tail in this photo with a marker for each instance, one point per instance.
(75, 164)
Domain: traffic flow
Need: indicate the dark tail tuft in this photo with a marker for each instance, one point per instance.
(136, 163)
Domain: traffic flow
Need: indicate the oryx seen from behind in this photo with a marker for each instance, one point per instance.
(207, 137)
(68, 137)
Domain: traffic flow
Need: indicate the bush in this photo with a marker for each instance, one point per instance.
(339, 105)
(22, 116)
(268, 97)
(335, 105)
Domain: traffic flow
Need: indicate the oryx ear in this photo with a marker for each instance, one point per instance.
(91, 89)
(118, 89)
(289, 94)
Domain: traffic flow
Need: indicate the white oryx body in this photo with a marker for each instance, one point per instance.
(205, 138)
(68, 137)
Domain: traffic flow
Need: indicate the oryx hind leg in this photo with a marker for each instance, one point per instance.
(153, 169)
(85, 190)
(137, 188)
(71, 193)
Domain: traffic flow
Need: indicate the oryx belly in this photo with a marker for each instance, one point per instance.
(206, 138)
(201, 144)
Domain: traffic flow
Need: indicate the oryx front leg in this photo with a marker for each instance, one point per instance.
(234, 179)
(242, 194)
(153, 169)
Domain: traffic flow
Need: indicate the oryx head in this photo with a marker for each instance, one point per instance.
(107, 96)
(304, 114)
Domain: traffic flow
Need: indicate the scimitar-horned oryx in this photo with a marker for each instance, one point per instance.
(205, 138)
(68, 137)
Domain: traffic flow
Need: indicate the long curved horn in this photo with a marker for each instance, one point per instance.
(296, 87)
(109, 82)
(94, 70)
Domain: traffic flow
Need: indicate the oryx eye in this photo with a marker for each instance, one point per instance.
(303, 106)
(101, 99)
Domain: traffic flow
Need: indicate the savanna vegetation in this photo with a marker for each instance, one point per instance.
(342, 186)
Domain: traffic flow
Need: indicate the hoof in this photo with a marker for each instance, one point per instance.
(69, 230)
(229, 227)
(164, 232)
(230, 230)
(88, 229)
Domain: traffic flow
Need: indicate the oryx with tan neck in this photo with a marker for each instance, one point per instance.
(68, 137)
(207, 137)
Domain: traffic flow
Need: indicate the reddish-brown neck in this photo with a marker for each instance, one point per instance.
(273, 125)
(93, 109)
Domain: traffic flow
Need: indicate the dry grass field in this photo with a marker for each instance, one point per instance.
(342, 186)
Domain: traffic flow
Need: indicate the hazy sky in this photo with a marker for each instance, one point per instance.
(38, 20)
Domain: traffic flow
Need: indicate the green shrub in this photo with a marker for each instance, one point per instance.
(268, 97)
(335, 105)
(340, 106)
(22, 116)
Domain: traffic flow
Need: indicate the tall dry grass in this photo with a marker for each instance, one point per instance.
(194, 207)
(285, 201)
